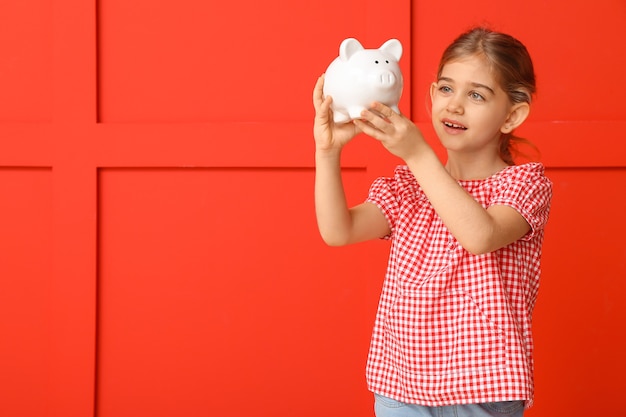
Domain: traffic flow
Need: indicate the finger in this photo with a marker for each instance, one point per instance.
(325, 106)
(376, 119)
(318, 91)
(383, 110)
(368, 129)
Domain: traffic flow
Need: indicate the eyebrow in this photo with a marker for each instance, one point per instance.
(475, 85)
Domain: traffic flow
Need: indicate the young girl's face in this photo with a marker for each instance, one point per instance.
(469, 108)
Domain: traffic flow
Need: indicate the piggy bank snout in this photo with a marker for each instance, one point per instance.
(385, 79)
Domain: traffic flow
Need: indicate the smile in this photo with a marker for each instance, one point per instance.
(454, 125)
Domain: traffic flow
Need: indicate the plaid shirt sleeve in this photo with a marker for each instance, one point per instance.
(526, 189)
(390, 193)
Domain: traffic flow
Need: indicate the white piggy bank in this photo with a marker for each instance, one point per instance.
(359, 76)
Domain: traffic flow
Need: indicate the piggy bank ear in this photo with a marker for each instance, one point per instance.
(393, 47)
(348, 48)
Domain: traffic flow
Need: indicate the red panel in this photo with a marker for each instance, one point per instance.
(72, 64)
(25, 42)
(25, 276)
(190, 61)
(582, 302)
(217, 297)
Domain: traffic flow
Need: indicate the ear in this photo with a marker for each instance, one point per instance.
(518, 113)
(433, 88)
(393, 47)
(348, 48)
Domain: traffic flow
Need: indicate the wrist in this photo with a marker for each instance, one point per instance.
(423, 161)
(327, 154)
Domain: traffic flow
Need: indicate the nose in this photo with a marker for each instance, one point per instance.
(455, 105)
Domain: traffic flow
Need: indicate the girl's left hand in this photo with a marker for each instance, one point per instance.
(397, 133)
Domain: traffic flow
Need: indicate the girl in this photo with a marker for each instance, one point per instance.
(452, 334)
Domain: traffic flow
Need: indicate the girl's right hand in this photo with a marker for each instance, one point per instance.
(328, 135)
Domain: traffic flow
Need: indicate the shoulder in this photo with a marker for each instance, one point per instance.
(526, 179)
(531, 172)
(402, 179)
(396, 190)
(529, 178)
(403, 174)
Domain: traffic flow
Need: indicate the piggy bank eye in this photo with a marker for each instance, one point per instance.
(376, 62)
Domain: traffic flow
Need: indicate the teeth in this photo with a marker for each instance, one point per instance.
(453, 125)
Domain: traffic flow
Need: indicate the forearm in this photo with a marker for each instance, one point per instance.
(333, 215)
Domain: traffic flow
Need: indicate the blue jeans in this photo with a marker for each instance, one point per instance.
(386, 407)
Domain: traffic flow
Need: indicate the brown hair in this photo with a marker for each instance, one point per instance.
(512, 66)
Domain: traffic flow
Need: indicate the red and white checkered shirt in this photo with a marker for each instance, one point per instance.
(452, 327)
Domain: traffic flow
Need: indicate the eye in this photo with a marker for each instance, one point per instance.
(387, 61)
(476, 96)
(445, 89)
(376, 62)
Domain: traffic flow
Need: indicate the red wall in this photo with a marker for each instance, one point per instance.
(159, 254)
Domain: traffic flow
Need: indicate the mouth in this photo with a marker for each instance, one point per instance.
(453, 125)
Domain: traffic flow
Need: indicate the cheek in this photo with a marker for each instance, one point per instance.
(434, 100)
(436, 106)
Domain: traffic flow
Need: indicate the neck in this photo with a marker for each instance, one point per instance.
(472, 167)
